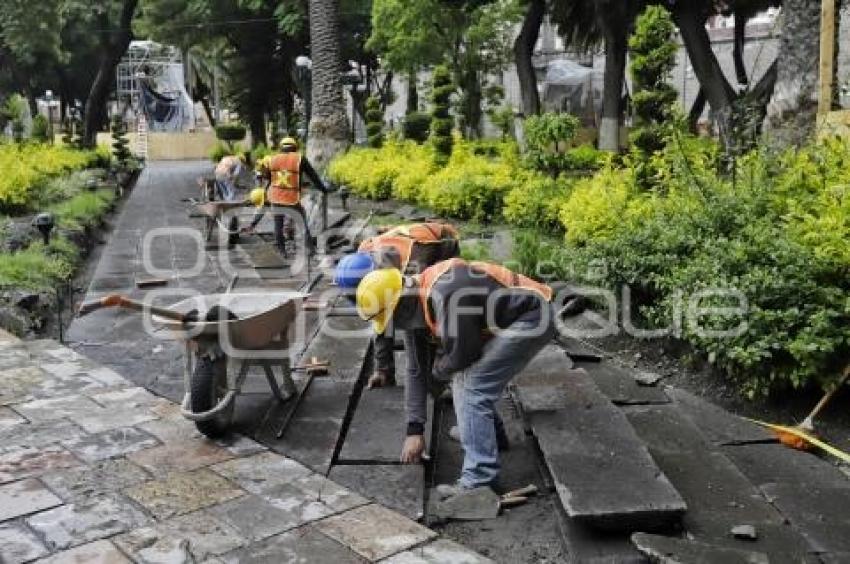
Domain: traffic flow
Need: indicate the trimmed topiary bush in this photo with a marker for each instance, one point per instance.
(441, 119)
(416, 126)
(120, 144)
(40, 129)
(374, 122)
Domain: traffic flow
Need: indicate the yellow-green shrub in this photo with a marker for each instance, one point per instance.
(537, 202)
(372, 173)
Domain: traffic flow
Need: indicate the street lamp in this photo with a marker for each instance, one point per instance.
(48, 97)
(304, 78)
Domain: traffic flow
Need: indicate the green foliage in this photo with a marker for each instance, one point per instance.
(120, 144)
(374, 122)
(230, 132)
(547, 137)
(652, 56)
(38, 267)
(397, 169)
(258, 153)
(537, 203)
(16, 111)
(221, 150)
(474, 250)
(441, 120)
(84, 210)
(503, 118)
(416, 126)
(40, 129)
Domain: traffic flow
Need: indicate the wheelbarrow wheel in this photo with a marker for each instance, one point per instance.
(209, 386)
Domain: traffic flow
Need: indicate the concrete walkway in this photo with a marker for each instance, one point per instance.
(95, 469)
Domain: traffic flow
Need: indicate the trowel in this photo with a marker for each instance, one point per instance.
(479, 504)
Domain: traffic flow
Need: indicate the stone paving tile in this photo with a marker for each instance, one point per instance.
(126, 397)
(239, 445)
(180, 456)
(23, 462)
(263, 471)
(57, 408)
(256, 518)
(110, 444)
(86, 520)
(38, 434)
(19, 544)
(374, 531)
(104, 419)
(19, 382)
(98, 552)
(183, 492)
(25, 497)
(300, 507)
(108, 377)
(440, 551)
(169, 429)
(301, 546)
(15, 357)
(329, 492)
(188, 538)
(9, 418)
(95, 479)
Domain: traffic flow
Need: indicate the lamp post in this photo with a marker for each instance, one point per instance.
(48, 97)
(304, 78)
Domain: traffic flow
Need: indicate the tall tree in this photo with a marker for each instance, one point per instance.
(114, 20)
(328, 134)
(523, 51)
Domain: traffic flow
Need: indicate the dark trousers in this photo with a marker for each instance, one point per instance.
(280, 221)
(384, 354)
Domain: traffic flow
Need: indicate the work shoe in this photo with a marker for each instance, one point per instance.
(502, 440)
(445, 491)
(381, 379)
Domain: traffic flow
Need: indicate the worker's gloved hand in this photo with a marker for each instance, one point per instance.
(247, 229)
(411, 452)
(380, 379)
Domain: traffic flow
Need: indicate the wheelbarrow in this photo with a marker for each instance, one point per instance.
(213, 212)
(224, 335)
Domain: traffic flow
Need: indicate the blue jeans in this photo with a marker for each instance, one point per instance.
(477, 389)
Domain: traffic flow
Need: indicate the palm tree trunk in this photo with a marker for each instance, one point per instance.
(328, 122)
(523, 50)
(614, 20)
(792, 109)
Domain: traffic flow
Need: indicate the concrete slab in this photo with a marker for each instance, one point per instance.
(86, 520)
(719, 425)
(378, 426)
(183, 492)
(819, 514)
(262, 472)
(180, 456)
(24, 497)
(23, 462)
(39, 434)
(440, 551)
(374, 532)
(98, 552)
(775, 463)
(110, 444)
(398, 487)
(19, 544)
(620, 386)
(671, 550)
(664, 428)
(301, 546)
(603, 473)
(188, 538)
(95, 479)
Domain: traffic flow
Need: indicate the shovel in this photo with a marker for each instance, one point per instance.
(117, 300)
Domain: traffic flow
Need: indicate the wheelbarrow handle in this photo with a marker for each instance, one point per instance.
(117, 300)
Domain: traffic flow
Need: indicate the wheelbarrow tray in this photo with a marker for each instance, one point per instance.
(217, 208)
(261, 318)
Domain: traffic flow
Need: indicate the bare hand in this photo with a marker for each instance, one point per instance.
(380, 380)
(248, 229)
(411, 452)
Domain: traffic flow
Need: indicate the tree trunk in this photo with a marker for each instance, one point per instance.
(523, 50)
(614, 22)
(791, 112)
(412, 92)
(741, 19)
(113, 43)
(257, 125)
(328, 123)
(691, 21)
(696, 111)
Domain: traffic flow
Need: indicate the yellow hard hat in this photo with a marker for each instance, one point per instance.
(288, 142)
(377, 297)
(257, 197)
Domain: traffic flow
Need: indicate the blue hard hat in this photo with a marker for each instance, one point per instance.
(352, 268)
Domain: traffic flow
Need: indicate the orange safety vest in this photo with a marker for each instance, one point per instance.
(403, 237)
(285, 187)
(505, 277)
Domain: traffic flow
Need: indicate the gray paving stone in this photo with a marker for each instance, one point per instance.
(183, 492)
(57, 408)
(170, 429)
(664, 428)
(85, 521)
(98, 552)
(39, 434)
(719, 425)
(180, 456)
(239, 445)
(104, 419)
(603, 473)
(819, 514)
(262, 471)
(189, 538)
(110, 444)
(19, 381)
(330, 493)
(15, 356)
(23, 462)
(108, 376)
(19, 544)
(620, 386)
(775, 463)
(440, 551)
(378, 426)
(374, 532)
(297, 506)
(133, 397)
(25, 497)
(398, 487)
(95, 479)
(256, 519)
(671, 550)
(9, 418)
(301, 546)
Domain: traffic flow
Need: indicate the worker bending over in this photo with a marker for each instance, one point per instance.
(490, 323)
(227, 174)
(284, 174)
(412, 248)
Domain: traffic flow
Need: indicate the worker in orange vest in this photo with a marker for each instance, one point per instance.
(284, 172)
(490, 323)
